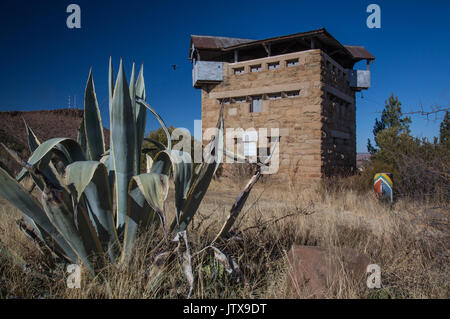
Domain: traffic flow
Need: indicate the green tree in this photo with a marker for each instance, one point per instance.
(391, 117)
(444, 132)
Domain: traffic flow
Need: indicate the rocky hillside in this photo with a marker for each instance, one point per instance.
(45, 124)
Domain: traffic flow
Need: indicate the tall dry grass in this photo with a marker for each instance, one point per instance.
(409, 241)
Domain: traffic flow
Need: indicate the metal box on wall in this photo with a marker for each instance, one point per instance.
(359, 79)
(207, 72)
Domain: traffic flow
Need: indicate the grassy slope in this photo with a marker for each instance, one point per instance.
(409, 241)
(45, 124)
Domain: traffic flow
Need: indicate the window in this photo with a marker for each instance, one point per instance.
(293, 93)
(240, 99)
(255, 106)
(290, 63)
(225, 101)
(250, 139)
(274, 65)
(273, 139)
(274, 96)
(239, 70)
(263, 154)
(255, 68)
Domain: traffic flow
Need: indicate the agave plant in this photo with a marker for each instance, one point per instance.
(94, 201)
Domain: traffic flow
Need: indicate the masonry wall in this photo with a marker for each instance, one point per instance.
(299, 118)
(338, 120)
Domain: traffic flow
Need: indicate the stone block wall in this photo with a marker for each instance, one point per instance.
(295, 100)
(338, 120)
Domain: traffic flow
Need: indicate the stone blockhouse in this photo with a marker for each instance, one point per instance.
(303, 84)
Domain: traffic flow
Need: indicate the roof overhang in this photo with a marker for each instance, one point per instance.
(321, 37)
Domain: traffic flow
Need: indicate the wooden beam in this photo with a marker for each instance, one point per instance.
(236, 56)
(267, 48)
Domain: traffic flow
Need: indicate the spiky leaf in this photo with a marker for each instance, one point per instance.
(147, 195)
(160, 120)
(93, 121)
(201, 181)
(72, 150)
(33, 141)
(181, 164)
(141, 114)
(123, 133)
(74, 224)
(91, 179)
(27, 204)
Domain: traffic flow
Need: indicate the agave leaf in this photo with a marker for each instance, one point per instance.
(33, 141)
(184, 258)
(242, 198)
(181, 164)
(155, 188)
(158, 144)
(110, 163)
(45, 166)
(123, 131)
(147, 194)
(27, 204)
(35, 235)
(200, 182)
(137, 153)
(141, 114)
(110, 88)
(132, 86)
(162, 163)
(182, 174)
(91, 179)
(149, 162)
(77, 229)
(105, 159)
(160, 120)
(48, 240)
(93, 121)
(81, 137)
(228, 263)
(44, 150)
(237, 206)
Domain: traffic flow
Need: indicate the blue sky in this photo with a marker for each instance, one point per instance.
(42, 62)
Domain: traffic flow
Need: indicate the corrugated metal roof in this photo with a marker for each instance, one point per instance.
(210, 42)
(359, 52)
(356, 53)
(214, 43)
(281, 38)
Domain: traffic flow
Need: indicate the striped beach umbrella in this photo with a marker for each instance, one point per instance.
(383, 185)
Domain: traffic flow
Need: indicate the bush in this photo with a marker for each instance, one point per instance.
(420, 169)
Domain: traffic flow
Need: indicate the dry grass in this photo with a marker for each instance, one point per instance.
(409, 241)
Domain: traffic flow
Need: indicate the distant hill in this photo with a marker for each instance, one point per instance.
(45, 124)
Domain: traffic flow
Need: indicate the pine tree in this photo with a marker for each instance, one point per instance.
(391, 116)
(444, 132)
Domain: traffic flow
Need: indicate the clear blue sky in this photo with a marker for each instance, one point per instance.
(42, 62)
